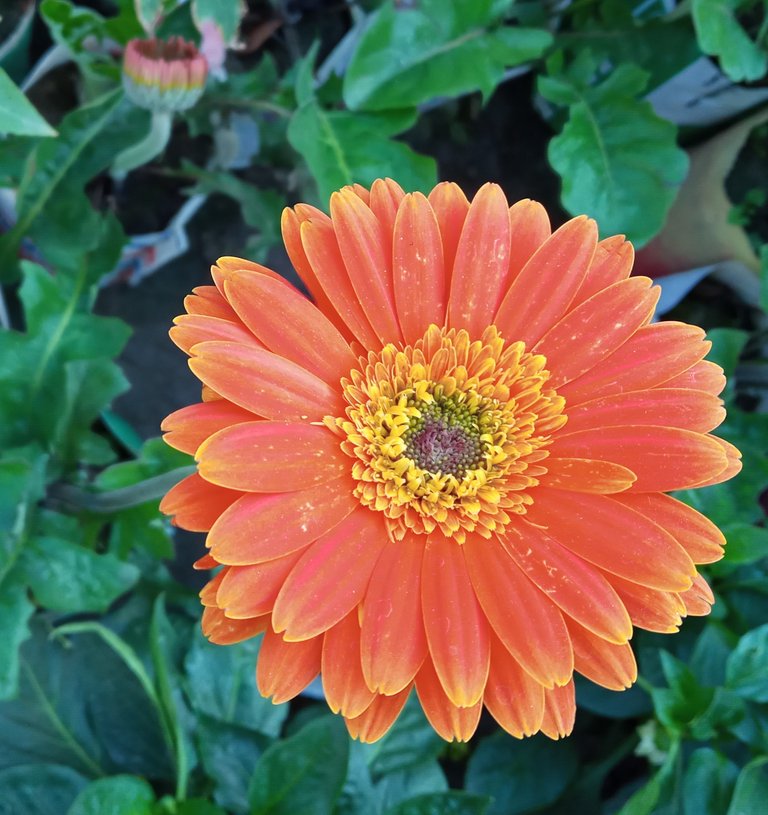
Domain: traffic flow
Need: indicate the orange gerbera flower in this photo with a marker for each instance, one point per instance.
(447, 472)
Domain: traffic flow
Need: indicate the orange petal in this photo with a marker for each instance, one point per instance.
(257, 528)
(393, 643)
(322, 250)
(195, 504)
(343, 682)
(450, 722)
(450, 205)
(330, 579)
(613, 537)
(284, 669)
(271, 457)
(265, 383)
(559, 711)
(703, 376)
(662, 458)
(222, 631)
(573, 585)
(650, 609)
(290, 225)
(205, 562)
(419, 272)
(540, 295)
(587, 475)
(362, 248)
(289, 325)
(733, 467)
(211, 589)
(670, 407)
(481, 267)
(699, 598)
(512, 697)
(696, 534)
(596, 328)
(612, 262)
(207, 300)
(653, 355)
(188, 428)
(525, 620)
(250, 591)
(609, 664)
(378, 717)
(227, 264)
(191, 329)
(530, 227)
(456, 629)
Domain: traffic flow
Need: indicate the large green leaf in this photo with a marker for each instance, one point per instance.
(38, 789)
(15, 611)
(304, 773)
(747, 666)
(410, 54)
(118, 795)
(443, 803)
(65, 576)
(721, 35)
(618, 160)
(520, 776)
(343, 148)
(708, 783)
(17, 114)
(751, 791)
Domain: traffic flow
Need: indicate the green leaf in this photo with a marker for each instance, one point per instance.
(520, 776)
(65, 576)
(409, 782)
(708, 783)
(15, 611)
(343, 148)
(304, 773)
(17, 114)
(443, 803)
(119, 795)
(38, 789)
(746, 671)
(746, 543)
(618, 160)
(751, 791)
(220, 684)
(721, 35)
(411, 54)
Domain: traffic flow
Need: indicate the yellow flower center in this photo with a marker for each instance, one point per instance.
(448, 433)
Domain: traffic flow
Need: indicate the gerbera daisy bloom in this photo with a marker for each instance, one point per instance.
(445, 471)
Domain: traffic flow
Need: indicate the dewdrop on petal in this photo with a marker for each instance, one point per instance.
(164, 75)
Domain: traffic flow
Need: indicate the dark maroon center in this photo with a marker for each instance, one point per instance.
(440, 447)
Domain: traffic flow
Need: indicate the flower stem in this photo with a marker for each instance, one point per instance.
(150, 146)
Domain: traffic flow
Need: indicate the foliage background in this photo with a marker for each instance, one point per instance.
(113, 701)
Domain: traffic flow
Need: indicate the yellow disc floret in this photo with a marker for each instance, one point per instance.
(448, 433)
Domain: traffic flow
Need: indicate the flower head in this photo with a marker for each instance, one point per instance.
(163, 75)
(448, 472)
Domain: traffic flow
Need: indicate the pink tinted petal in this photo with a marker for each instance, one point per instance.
(587, 475)
(530, 227)
(257, 527)
(612, 262)
(592, 526)
(188, 428)
(451, 723)
(524, 619)
(362, 248)
(195, 504)
(596, 328)
(662, 458)
(271, 457)
(577, 588)
(267, 384)
(650, 609)
(343, 682)
(331, 577)
(450, 205)
(378, 717)
(419, 272)
(609, 664)
(284, 669)
(481, 267)
(456, 629)
(288, 324)
(191, 329)
(540, 295)
(703, 376)
(559, 711)
(393, 643)
(250, 591)
(207, 300)
(670, 407)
